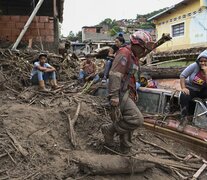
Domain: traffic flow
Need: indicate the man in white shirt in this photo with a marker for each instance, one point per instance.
(43, 72)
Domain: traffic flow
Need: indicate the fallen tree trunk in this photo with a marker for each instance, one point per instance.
(115, 164)
(109, 164)
(162, 72)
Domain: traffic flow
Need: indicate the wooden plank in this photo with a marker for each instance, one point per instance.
(198, 173)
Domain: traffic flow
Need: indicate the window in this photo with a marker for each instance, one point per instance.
(98, 30)
(178, 30)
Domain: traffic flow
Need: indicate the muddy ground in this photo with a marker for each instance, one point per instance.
(35, 133)
(40, 126)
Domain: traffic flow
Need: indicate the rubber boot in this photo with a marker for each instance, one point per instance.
(125, 143)
(108, 131)
(42, 86)
(54, 84)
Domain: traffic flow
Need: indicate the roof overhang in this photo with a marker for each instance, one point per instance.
(170, 9)
(60, 6)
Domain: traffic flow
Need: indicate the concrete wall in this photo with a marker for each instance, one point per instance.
(96, 36)
(11, 26)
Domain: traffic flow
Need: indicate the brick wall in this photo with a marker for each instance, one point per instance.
(11, 26)
(92, 30)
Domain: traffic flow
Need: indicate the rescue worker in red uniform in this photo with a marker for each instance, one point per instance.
(125, 115)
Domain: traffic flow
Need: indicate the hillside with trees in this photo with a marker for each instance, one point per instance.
(113, 26)
(139, 23)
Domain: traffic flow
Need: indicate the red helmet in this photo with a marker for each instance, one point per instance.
(140, 37)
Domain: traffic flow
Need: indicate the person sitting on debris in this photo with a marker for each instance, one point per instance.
(119, 42)
(193, 82)
(125, 115)
(43, 72)
(88, 71)
(147, 81)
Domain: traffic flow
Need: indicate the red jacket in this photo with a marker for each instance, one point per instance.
(126, 64)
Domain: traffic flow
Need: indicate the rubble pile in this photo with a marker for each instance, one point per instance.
(15, 67)
(60, 138)
(187, 54)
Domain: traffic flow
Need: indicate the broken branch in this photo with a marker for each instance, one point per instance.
(166, 150)
(20, 148)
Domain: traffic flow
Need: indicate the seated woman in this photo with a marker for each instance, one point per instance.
(193, 84)
(119, 42)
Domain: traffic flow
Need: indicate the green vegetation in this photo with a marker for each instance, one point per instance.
(109, 22)
(148, 15)
(148, 25)
(115, 30)
(75, 37)
(112, 26)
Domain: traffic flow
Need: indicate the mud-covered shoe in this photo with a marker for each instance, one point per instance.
(125, 149)
(56, 87)
(42, 87)
(125, 143)
(125, 139)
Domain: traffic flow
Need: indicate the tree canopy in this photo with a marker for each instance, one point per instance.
(75, 37)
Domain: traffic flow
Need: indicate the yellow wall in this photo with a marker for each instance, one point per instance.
(180, 42)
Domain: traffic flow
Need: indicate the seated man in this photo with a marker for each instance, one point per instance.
(88, 71)
(43, 72)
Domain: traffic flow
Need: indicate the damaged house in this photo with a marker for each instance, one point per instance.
(42, 32)
(185, 22)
